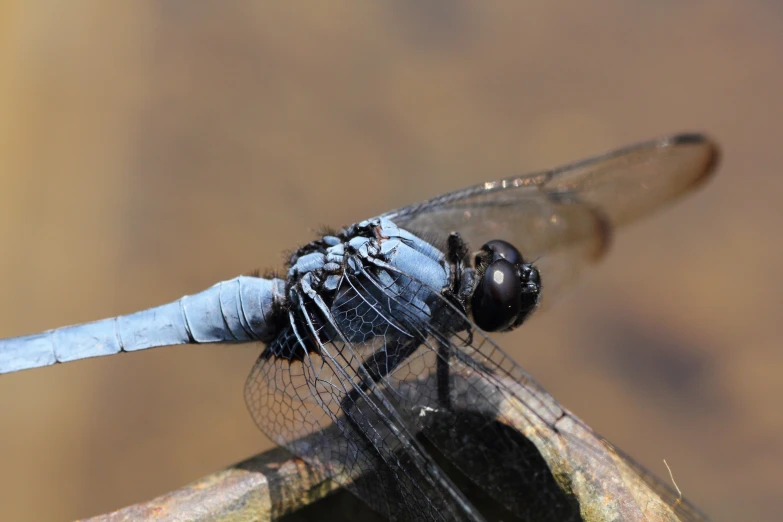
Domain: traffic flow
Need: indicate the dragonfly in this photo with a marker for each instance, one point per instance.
(365, 315)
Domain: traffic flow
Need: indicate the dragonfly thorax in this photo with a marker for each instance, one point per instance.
(354, 285)
(350, 286)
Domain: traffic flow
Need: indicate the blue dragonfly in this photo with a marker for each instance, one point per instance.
(366, 315)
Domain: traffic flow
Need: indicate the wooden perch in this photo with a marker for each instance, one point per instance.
(589, 473)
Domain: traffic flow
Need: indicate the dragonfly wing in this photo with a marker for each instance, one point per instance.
(671, 497)
(564, 217)
(301, 405)
(480, 379)
(310, 391)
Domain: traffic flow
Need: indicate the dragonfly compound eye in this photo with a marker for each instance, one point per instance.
(499, 249)
(508, 288)
(497, 298)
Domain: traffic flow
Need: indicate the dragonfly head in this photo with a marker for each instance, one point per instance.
(507, 288)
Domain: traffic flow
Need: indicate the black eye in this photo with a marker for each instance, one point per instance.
(508, 288)
(497, 298)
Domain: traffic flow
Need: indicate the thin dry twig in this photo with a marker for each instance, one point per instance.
(671, 476)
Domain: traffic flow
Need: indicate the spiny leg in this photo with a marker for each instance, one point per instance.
(457, 255)
(377, 366)
(442, 376)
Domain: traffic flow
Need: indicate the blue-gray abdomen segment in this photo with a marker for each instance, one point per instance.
(237, 310)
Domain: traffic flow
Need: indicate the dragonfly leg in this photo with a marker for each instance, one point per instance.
(462, 279)
(442, 376)
(377, 366)
(461, 287)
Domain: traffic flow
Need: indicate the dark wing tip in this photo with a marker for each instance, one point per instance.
(712, 152)
(688, 138)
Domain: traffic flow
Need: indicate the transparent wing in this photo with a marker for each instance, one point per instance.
(349, 400)
(564, 217)
(484, 383)
(314, 407)
(350, 410)
(685, 511)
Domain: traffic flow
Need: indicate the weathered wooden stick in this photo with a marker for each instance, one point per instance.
(586, 468)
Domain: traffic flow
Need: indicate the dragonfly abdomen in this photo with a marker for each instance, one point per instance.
(239, 310)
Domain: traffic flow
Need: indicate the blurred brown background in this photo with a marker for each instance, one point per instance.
(149, 149)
